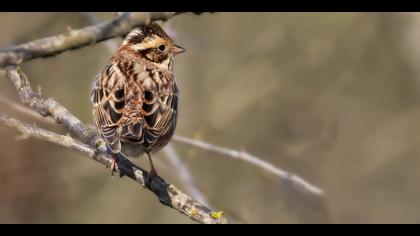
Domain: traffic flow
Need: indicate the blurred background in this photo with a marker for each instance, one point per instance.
(334, 98)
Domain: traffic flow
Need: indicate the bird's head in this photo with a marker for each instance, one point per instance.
(152, 43)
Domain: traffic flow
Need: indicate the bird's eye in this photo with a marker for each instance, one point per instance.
(161, 47)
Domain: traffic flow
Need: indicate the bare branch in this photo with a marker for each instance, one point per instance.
(242, 155)
(111, 44)
(167, 194)
(73, 39)
(25, 92)
(33, 131)
(24, 110)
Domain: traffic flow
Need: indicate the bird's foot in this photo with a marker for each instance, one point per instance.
(113, 164)
(153, 175)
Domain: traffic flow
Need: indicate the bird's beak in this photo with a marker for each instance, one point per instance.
(177, 49)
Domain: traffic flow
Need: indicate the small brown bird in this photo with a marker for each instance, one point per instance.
(135, 97)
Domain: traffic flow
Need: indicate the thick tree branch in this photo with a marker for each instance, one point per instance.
(167, 194)
(73, 39)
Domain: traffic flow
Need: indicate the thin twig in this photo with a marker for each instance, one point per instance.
(242, 155)
(32, 131)
(167, 194)
(184, 174)
(24, 110)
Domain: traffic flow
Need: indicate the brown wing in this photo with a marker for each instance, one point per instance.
(162, 121)
(107, 95)
(158, 113)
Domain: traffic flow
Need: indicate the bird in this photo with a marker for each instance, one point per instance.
(135, 95)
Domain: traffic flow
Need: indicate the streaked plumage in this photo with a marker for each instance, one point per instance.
(135, 97)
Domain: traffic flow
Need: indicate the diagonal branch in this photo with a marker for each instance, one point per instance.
(184, 173)
(242, 155)
(32, 131)
(24, 110)
(74, 39)
(167, 194)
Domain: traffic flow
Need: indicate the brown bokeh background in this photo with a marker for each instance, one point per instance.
(332, 97)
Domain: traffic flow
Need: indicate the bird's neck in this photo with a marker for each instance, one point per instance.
(166, 64)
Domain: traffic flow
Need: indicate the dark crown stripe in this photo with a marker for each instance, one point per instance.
(146, 31)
